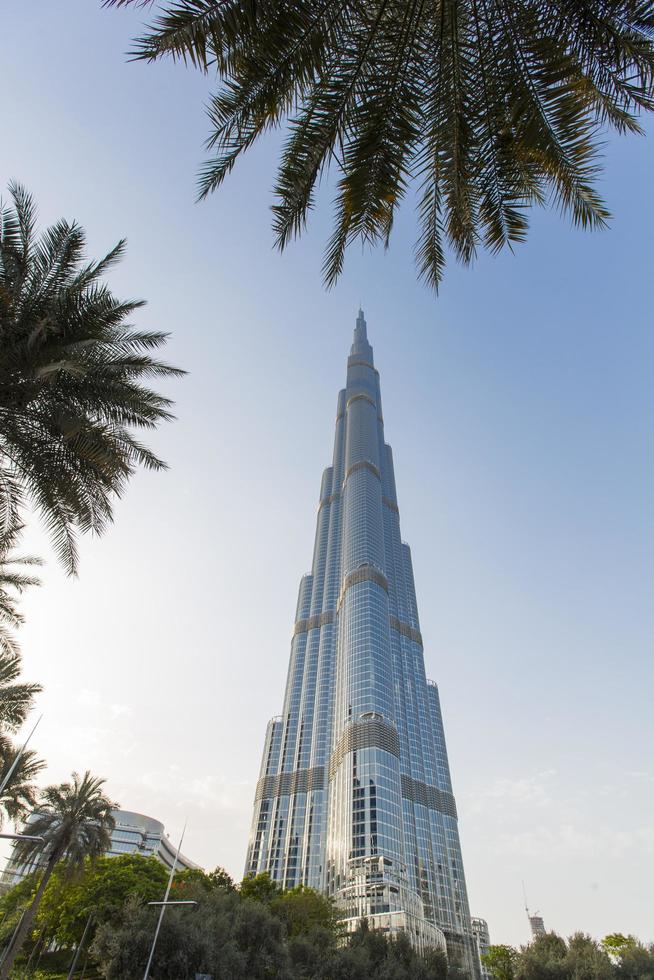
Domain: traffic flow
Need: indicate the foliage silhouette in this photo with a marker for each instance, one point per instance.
(72, 381)
(485, 107)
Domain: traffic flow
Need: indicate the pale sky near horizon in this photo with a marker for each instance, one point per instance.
(519, 407)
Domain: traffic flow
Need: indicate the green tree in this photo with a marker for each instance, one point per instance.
(239, 938)
(487, 106)
(304, 910)
(101, 888)
(586, 959)
(616, 944)
(260, 888)
(543, 959)
(13, 902)
(72, 380)
(208, 880)
(225, 936)
(122, 949)
(636, 962)
(75, 821)
(371, 955)
(501, 962)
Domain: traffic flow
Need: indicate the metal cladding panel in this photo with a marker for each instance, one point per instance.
(355, 795)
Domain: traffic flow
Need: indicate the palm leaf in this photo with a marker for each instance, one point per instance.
(489, 106)
(73, 384)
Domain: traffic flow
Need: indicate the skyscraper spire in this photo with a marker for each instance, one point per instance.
(354, 796)
(360, 343)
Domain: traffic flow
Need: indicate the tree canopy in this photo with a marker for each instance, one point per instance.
(243, 938)
(258, 931)
(101, 890)
(550, 957)
(501, 962)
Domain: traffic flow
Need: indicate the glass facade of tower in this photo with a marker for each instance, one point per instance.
(354, 796)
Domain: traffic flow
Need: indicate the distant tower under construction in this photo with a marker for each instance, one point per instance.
(536, 923)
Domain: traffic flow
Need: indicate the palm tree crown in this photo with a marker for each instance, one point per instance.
(489, 106)
(71, 380)
(75, 821)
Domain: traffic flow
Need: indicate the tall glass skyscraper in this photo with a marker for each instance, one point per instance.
(354, 796)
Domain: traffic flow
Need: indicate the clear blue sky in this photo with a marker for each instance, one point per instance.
(519, 407)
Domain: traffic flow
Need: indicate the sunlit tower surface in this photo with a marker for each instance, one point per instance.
(354, 796)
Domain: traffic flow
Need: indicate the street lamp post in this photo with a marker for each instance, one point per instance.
(73, 965)
(164, 905)
(13, 936)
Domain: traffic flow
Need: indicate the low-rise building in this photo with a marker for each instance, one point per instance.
(482, 936)
(134, 833)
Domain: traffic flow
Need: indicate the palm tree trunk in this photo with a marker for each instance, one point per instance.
(28, 919)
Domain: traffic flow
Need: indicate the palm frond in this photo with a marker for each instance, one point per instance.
(19, 796)
(73, 384)
(489, 106)
(13, 582)
(75, 819)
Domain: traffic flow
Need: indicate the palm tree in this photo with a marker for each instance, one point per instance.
(16, 697)
(18, 770)
(488, 106)
(13, 582)
(18, 796)
(72, 375)
(75, 821)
